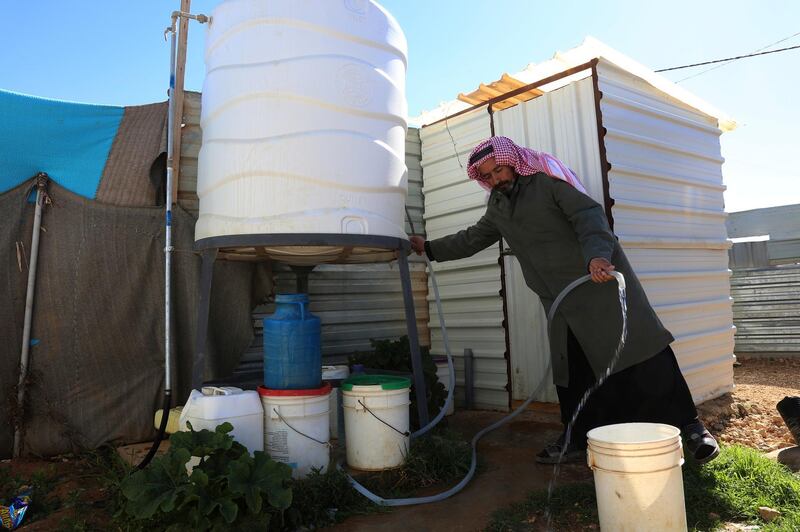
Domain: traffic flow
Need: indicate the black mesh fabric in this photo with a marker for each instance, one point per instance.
(96, 363)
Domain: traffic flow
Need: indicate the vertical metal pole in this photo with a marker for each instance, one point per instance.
(413, 337)
(203, 307)
(168, 220)
(41, 188)
(469, 383)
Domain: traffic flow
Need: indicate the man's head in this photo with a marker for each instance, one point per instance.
(498, 177)
(513, 160)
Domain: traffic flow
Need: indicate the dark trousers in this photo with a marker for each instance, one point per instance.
(652, 391)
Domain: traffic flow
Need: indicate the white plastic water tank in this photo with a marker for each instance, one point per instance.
(304, 123)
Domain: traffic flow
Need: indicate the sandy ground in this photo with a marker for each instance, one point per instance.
(748, 415)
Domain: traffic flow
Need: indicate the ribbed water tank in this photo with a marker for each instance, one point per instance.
(304, 124)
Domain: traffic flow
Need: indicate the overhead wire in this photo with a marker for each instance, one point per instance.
(758, 52)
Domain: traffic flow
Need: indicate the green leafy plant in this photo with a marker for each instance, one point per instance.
(227, 488)
(395, 355)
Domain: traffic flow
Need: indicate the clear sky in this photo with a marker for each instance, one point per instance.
(114, 52)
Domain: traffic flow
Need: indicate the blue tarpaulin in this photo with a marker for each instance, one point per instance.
(69, 141)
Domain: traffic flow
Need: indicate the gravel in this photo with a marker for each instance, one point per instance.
(748, 415)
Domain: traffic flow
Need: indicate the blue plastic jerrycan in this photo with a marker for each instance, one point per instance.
(292, 345)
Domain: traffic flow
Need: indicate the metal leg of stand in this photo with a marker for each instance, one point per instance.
(203, 306)
(413, 339)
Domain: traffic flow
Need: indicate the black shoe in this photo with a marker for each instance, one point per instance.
(552, 453)
(700, 443)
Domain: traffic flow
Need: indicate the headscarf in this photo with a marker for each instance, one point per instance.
(524, 161)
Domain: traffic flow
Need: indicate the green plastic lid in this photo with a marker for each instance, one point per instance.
(386, 382)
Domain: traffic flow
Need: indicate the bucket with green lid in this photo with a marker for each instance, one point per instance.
(376, 421)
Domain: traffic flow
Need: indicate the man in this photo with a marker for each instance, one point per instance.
(558, 234)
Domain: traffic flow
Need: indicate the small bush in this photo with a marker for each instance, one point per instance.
(323, 499)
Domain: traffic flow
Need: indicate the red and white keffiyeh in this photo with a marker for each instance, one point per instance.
(524, 161)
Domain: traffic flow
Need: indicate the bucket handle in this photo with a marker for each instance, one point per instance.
(325, 443)
(406, 433)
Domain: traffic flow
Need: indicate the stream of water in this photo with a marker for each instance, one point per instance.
(582, 403)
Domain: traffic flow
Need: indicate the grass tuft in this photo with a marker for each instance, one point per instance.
(439, 457)
(572, 507)
(735, 484)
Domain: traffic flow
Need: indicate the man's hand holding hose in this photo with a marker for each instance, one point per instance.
(600, 269)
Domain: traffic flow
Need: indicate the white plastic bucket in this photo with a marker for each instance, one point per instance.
(335, 373)
(296, 429)
(376, 420)
(637, 477)
(443, 374)
(215, 405)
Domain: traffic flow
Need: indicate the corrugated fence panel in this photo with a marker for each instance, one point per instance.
(748, 255)
(191, 138)
(783, 251)
(469, 288)
(666, 184)
(766, 310)
(414, 202)
(562, 122)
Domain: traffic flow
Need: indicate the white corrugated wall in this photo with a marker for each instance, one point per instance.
(665, 179)
(470, 288)
(562, 122)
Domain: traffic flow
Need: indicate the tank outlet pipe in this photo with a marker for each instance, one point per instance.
(473, 465)
(168, 248)
(41, 195)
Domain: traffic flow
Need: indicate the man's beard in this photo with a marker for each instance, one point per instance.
(505, 186)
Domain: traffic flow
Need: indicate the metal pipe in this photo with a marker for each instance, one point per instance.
(168, 214)
(202, 19)
(41, 191)
(168, 248)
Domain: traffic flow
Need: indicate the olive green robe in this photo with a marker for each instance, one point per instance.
(554, 231)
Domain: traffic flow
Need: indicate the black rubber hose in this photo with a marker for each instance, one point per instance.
(162, 428)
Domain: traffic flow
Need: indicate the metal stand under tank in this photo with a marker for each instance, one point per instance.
(210, 248)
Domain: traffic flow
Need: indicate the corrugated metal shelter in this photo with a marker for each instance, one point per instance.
(356, 303)
(780, 224)
(766, 280)
(649, 152)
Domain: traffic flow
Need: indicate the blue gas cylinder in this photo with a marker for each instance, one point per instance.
(292, 345)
